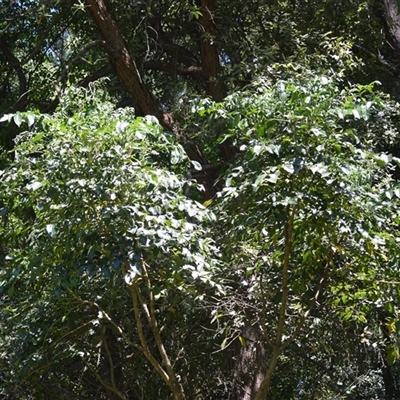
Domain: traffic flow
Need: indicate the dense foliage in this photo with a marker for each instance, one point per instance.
(199, 200)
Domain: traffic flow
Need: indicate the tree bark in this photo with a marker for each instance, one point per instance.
(390, 381)
(249, 367)
(209, 52)
(392, 16)
(126, 68)
(23, 85)
(277, 344)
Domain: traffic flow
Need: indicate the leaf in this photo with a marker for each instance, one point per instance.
(338, 148)
(17, 119)
(273, 178)
(259, 179)
(307, 255)
(242, 341)
(288, 168)
(392, 354)
(177, 155)
(106, 271)
(384, 159)
(324, 80)
(6, 117)
(38, 137)
(197, 166)
(207, 203)
(11, 290)
(116, 264)
(389, 194)
(318, 132)
(121, 125)
(51, 229)
(257, 149)
(31, 119)
(132, 273)
(34, 186)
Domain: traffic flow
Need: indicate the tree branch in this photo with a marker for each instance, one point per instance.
(172, 69)
(175, 385)
(14, 62)
(277, 345)
(108, 353)
(126, 68)
(44, 37)
(307, 312)
(209, 52)
(77, 57)
(102, 381)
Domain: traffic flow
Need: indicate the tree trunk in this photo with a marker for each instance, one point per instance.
(392, 16)
(249, 367)
(215, 85)
(125, 66)
(392, 388)
(127, 70)
(209, 52)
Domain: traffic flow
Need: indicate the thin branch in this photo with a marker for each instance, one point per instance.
(102, 381)
(307, 312)
(277, 346)
(145, 348)
(77, 57)
(150, 314)
(288, 231)
(133, 289)
(263, 318)
(109, 319)
(108, 353)
(40, 42)
(172, 68)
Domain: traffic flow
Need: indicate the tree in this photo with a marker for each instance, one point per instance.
(307, 203)
(101, 211)
(272, 104)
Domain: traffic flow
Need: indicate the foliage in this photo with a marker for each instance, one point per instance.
(91, 207)
(111, 281)
(314, 211)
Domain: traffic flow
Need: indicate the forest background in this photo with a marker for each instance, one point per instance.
(199, 199)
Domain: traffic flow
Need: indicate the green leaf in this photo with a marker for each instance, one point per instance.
(17, 119)
(34, 185)
(6, 117)
(288, 167)
(38, 137)
(392, 354)
(242, 341)
(197, 166)
(259, 179)
(31, 119)
(273, 178)
(51, 229)
(11, 290)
